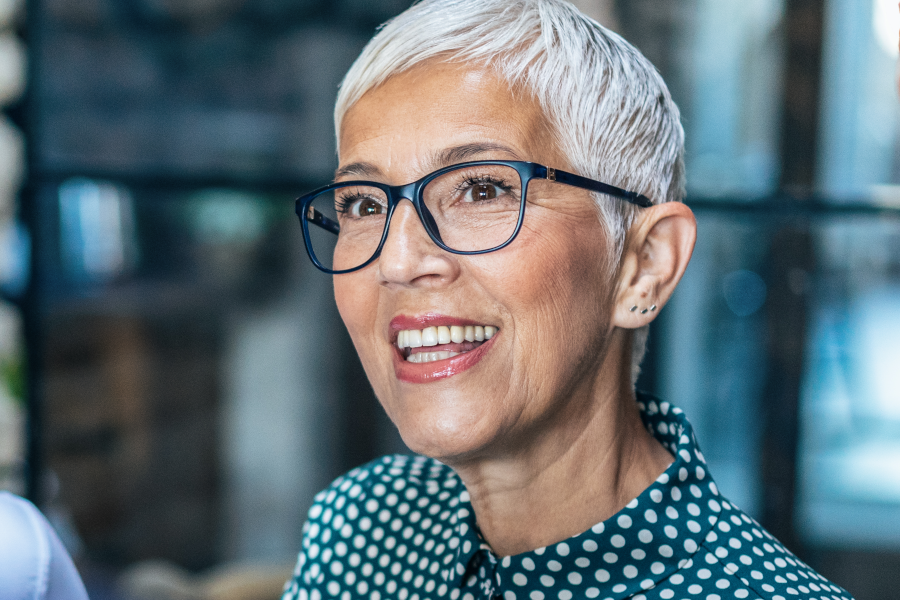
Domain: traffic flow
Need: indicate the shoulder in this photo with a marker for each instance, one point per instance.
(740, 555)
(385, 477)
(394, 503)
(33, 562)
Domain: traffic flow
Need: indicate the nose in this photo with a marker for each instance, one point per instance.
(409, 258)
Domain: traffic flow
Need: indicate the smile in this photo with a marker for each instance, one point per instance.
(430, 347)
(440, 343)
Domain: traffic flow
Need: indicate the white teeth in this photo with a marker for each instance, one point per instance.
(433, 336)
(413, 338)
(425, 357)
(429, 336)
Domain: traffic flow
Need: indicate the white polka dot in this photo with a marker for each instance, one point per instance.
(528, 563)
(562, 549)
(630, 571)
(547, 581)
(589, 545)
(650, 515)
(671, 532)
(624, 521)
(656, 495)
(602, 575)
(695, 589)
(575, 578)
(610, 557)
(617, 541)
(519, 579)
(554, 565)
(645, 536)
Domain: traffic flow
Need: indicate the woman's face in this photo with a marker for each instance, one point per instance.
(548, 294)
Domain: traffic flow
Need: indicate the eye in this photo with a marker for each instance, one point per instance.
(366, 207)
(483, 191)
(359, 205)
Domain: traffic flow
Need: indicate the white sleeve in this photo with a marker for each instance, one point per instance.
(34, 565)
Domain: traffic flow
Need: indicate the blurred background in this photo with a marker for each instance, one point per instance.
(175, 383)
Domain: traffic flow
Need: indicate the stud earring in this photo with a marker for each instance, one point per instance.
(644, 311)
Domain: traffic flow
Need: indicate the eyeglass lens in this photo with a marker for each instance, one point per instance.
(473, 208)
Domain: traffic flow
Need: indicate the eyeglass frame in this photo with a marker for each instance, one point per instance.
(413, 192)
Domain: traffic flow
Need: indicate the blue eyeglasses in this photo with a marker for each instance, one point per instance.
(469, 208)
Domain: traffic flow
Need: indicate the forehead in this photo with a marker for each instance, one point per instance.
(406, 125)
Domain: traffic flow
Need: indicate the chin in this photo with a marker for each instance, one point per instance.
(447, 435)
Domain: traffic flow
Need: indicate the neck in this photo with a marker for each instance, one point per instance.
(580, 472)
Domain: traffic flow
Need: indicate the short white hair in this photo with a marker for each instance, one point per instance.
(608, 108)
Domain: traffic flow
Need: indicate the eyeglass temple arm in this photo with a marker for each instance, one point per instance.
(317, 218)
(597, 186)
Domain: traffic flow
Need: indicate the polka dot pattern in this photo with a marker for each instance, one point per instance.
(403, 527)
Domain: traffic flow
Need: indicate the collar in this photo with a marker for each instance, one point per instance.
(663, 528)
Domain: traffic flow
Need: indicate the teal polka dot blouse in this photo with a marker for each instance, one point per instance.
(403, 527)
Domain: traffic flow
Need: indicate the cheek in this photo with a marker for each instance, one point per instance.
(563, 271)
(558, 296)
(357, 307)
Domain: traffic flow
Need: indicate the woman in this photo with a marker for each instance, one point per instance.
(501, 319)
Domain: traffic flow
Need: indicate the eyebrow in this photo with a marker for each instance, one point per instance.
(440, 159)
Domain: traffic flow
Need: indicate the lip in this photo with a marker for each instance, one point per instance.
(439, 369)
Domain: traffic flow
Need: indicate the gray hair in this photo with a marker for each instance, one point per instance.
(610, 112)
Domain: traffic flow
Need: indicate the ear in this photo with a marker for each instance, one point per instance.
(657, 250)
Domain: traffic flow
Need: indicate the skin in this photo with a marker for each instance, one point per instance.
(544, 430)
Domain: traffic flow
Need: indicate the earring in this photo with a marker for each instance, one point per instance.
(645, 310)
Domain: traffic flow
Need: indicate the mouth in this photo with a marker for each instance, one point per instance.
(432, 344)
(434, 347)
